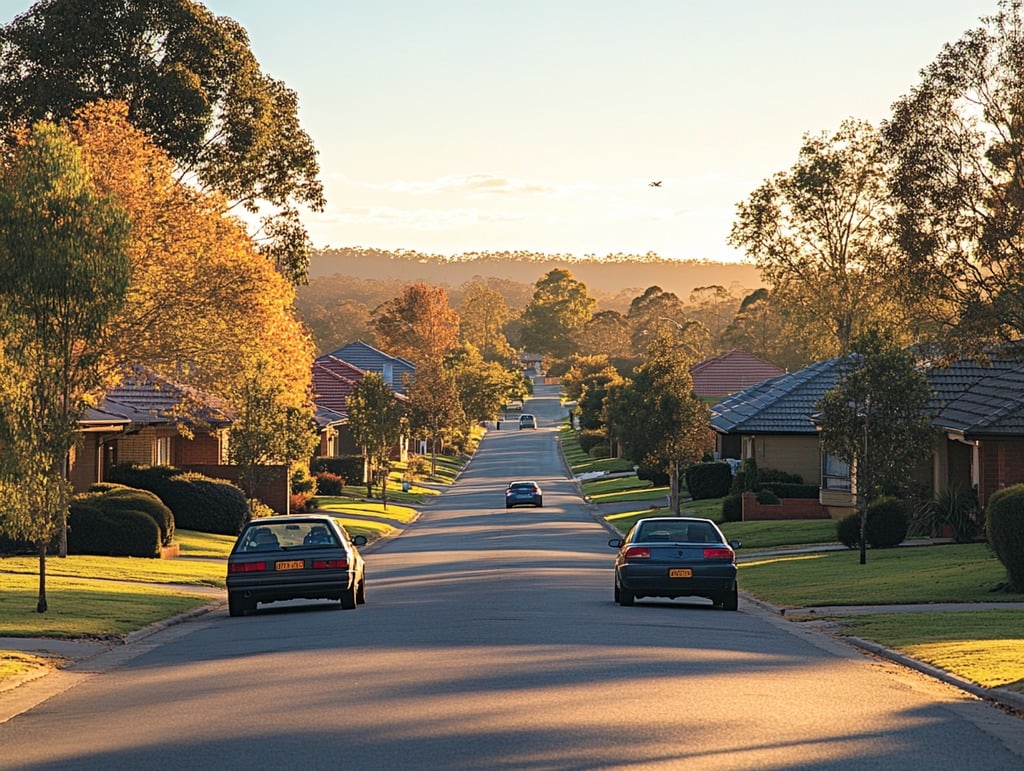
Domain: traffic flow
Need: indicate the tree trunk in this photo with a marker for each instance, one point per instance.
(41, 606)
(674, 488)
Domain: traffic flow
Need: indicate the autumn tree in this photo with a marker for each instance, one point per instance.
(201, 298)
(958, 140)
(375, 418)
(418, 325)
(875, 418)
(558, 311)
(64, 275)
(482, 318)
(818, 233)
(190, 82)
(656, 417)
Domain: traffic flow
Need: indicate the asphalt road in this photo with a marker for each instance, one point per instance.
(490, 641)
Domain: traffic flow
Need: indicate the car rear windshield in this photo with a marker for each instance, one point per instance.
(281, 535)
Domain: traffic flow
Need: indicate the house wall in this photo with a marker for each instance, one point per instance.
(201, 449)
(1002, 465)
(793, 454)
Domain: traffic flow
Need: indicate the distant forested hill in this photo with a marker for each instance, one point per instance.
(612, 276)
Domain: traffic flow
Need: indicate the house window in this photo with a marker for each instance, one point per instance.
(836, 473)
(162, 451)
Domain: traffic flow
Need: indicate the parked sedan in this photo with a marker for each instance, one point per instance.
(527, 421)
(676, 557)
(523, 492)
(295, 557)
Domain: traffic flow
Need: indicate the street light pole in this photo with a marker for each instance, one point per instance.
(862, 484)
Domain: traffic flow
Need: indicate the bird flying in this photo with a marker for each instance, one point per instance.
(656, 183)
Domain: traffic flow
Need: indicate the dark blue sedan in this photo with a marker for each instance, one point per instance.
(523, 493)
(676, 557)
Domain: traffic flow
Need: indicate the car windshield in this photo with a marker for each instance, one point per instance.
(286, 535)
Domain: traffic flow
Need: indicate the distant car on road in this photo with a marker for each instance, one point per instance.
(676, 557)
(527, 421)
(295, 557)
(523, 492)
(515, 404)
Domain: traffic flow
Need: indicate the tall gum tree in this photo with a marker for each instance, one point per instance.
(64, 272)
(818, 233)
(958, 141)
(560, 308)
(191, 83)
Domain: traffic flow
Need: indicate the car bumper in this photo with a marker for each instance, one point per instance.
(533, 501)
(654, 581)
(266, 589)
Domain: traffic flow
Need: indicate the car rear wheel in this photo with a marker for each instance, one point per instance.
(540, 503)
(623, 597)
(361, 591)
(236, 605)
(731, 600)
(349, 596)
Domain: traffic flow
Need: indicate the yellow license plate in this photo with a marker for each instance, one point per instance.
(290, 565)
(680, 573)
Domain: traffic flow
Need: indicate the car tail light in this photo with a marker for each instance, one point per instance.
(638, 553)
(330, 564)
(718, 553)
(247, 567)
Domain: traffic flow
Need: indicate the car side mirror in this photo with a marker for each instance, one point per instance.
(359, 540)
(735, 544)
(615, 543)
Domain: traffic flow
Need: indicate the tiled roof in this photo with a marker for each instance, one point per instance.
(333, 382)
(394, 369)
(325, 416)
(731, 372)
(974, 399)
(979, 400)
(148, 399)
(781, 405)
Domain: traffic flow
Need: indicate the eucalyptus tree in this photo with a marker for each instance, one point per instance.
(819, 235)
(875, 419)
(959, 184)
(560, 308)
(191, 82)
(64, 274)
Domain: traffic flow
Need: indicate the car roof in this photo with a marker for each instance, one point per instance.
(675, 520)
(522, 482)
(291, 518)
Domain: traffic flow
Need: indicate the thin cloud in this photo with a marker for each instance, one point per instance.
(472, 185)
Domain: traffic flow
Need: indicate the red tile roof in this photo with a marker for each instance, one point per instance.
(732, 371)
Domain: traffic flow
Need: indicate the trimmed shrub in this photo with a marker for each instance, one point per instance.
(600, 451)
(767, 497)
(327, 483)
(848, 531)
(197, 502)
(657, 477)
(709, 480)
(732, 507)
(111, 533)
(1004, 519)
(301, 503)
(348, 467)
(790, 489)
(258, 509)
(114, 498)
(887, 523)
(591, 438)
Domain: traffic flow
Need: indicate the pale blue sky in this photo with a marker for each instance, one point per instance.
(448, 126)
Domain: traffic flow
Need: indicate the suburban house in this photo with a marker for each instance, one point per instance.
(335, 375)
(732, 371)
(397, 372)
(978, 413)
